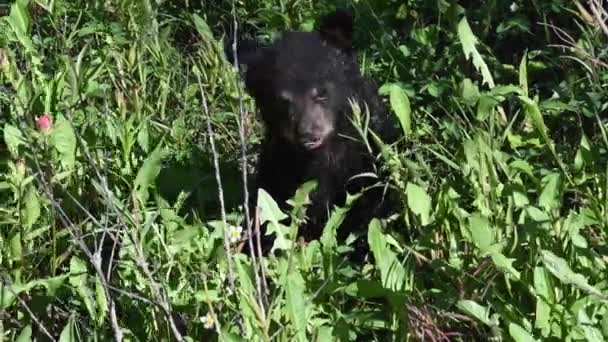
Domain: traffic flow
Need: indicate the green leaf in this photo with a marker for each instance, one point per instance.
(419, 202)
(401, 105)
(7, 295)
(30, 212)
(67, 334)
(533, 113)
(392, 272)
(25, 335)
(328, 238)
(503, 263)
(519, 334)
(468, 41)
(78, 279)
(545, 297)
(270, 212)
(473, 309)
(101, 301)
(13, 138)
(550, 195)
(19, 22)
(562, 271)
(295, 302)
(63, 140)
(523, 74)
(148, 172)
(202, 28)
(481, 233)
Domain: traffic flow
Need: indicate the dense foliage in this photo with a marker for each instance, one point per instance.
(126, 139)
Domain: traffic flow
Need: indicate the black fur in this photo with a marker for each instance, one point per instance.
(298, 62)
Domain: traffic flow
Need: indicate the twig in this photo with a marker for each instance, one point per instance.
(8, 285)
(218, 179)
(242, 127)
(93, 259)
(597, 13)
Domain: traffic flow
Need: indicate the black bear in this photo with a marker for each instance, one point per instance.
(302, 84)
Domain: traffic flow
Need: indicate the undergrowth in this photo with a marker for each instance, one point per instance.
(125, 133)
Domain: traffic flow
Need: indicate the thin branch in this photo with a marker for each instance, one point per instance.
(242, 129)
(218, 179)
(8, 285)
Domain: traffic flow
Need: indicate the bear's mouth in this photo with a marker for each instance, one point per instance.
(313, 144)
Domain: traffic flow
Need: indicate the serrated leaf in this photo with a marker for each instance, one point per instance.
(148, 172)
(519, 334)
(328, 238)
(468, 41)
(295, 302)
(63, 140)
(271, 213)
(401, 105)
(419, 202)
(562, 271)
(13, 138)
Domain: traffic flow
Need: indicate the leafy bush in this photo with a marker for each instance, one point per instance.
(126, 142)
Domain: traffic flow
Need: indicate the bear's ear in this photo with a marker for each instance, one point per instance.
(337, 29)
(249, 51)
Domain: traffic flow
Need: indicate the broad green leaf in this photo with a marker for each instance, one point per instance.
(25, 335)
(545, 297)
(63, 140)
(30, 212)
(295, 302)
(551, 192)
(473, 309)
(401, 105)
(468, 41)
(469, 92)
(504, 264)
(519, 334)
(392, 273)
(481, 233)
(13, 138)
(19, 22)
(562, 271)
(7, 295)
(419, 202)
(148, 172)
